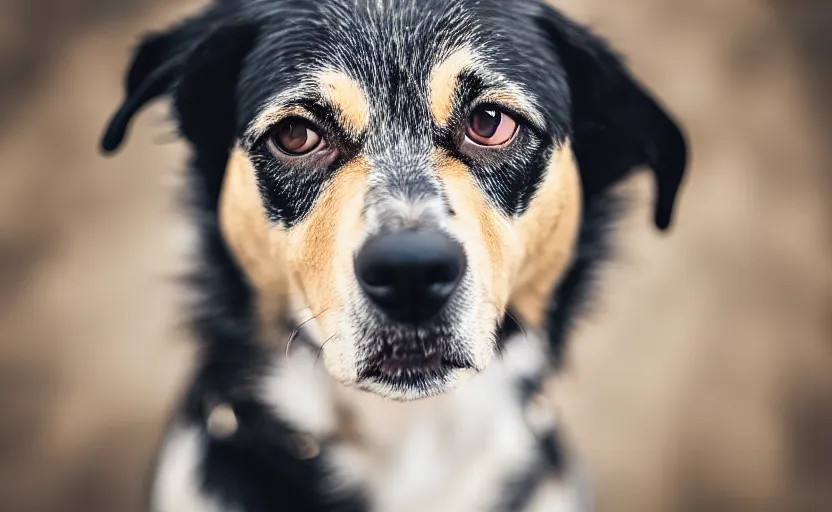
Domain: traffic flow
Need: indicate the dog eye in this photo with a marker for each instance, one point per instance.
(294, 137)
(488, 126)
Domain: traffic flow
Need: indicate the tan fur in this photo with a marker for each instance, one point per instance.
(347, 96)
(505, 97)
(320, 254)
(480, 226)
(443, 82)
(315, 243)
(308, 267)
(518, 261)
(547, 233)
(344, 93)
(246, 230)
(515, 262)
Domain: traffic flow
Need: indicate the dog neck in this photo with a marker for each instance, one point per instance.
(489, 444)
(488, 428)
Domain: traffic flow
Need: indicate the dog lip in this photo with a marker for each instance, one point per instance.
(458, 365)
(393, 365)
(404, 367)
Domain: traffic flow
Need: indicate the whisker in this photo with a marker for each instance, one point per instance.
(499, 347)
(297, 329)
(499, 351)
(321, 350)
(518, 322)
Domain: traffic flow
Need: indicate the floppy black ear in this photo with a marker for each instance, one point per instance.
(205, 100)
(157, 64)
(617, 125)
(198, 64)
(197, 61)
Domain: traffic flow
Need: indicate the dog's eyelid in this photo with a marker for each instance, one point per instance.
(519, 116)
(521, 112)
(315, 110)
(262, 126)
(478, 86)
(288, 103)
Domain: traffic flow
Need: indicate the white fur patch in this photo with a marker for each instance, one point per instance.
(449, 453)
(298, 390)
(176, 487)
(554, 495)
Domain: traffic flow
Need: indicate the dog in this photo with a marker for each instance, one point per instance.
(401, 206)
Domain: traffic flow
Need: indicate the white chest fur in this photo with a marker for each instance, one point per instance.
(454, 452)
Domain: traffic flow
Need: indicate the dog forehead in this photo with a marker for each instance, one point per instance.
(408, 32)
(389, 47)
(378, 43)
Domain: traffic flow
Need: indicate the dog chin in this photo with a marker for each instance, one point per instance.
(414, 385)
(405, 372)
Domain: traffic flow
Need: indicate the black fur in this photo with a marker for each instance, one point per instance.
(616, 125)
(221, 66)
(257, 467)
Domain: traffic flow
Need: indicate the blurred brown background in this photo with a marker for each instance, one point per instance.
(702, 381)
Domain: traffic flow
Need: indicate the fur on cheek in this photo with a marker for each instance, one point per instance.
(484, 234)
(482, 231)
(517, 262)
(547, 234)
(256, 248)
(320, 254)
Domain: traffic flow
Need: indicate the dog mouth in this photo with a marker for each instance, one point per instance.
(421, 370)
(428, 361)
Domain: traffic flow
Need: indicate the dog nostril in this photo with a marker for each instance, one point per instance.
(441, 288)
(410, 275)
(441, 280)
(376, 277)
(441, 273)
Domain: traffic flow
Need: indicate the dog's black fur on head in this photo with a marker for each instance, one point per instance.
(387, 92)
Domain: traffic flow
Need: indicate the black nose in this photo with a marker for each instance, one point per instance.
(411, 274)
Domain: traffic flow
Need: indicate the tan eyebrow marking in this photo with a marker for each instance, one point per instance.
(514, 97)
(336, 88)
(278, 108)
(347, 96)
(445, 77)
(443, 80)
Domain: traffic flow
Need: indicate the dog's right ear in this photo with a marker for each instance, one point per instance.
(156, 66)
(201, 53)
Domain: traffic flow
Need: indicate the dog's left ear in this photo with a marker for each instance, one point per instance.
(616, 124)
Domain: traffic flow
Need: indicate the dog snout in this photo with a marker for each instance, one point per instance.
(410, 275)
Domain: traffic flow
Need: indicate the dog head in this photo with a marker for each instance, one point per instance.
(402, 171)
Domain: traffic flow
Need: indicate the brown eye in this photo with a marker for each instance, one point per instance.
(295, 137)
(488, 126)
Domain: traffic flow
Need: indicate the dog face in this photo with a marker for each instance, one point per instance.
(399, 159)
(402, 173)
